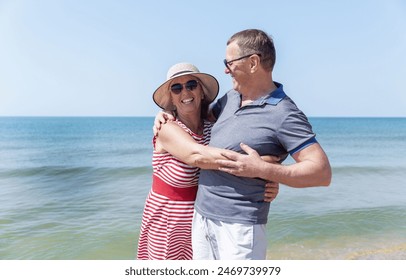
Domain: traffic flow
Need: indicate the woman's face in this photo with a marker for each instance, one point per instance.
(186, 94)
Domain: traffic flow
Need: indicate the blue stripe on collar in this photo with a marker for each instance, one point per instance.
(277, 95)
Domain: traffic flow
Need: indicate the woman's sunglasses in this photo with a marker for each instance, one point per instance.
(189, 85)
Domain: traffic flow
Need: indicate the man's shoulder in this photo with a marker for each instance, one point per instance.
(230, 94)
(287, 104)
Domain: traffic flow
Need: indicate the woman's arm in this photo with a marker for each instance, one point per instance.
(173, 139)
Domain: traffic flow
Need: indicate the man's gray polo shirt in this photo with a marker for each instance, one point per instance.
(272, 125)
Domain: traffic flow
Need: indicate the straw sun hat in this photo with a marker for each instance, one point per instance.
(209, 84)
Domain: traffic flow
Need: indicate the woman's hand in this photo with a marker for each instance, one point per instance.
(271, 191)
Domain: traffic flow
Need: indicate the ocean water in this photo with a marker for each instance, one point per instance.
(74, 188)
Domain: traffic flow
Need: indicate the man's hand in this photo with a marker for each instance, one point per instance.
(244, 165)
(161, 118)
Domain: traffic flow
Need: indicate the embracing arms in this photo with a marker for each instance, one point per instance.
(180, 144)
(312, 167)
(173, 139)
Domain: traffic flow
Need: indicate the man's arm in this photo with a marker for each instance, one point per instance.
(312, 167)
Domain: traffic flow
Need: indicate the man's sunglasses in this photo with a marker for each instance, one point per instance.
(230, 62)
(189, 85)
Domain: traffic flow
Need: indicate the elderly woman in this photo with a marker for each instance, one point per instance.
(180, 150)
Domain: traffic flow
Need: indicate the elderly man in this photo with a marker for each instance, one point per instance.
(255, 118)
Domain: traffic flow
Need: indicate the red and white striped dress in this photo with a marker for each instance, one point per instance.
(167, 219)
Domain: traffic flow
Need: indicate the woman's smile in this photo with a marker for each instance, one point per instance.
(187, 101)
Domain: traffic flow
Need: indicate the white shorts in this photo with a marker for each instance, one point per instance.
(217, 240)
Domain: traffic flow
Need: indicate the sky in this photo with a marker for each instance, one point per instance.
(339, 58)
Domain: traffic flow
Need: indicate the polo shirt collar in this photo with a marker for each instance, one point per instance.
(274, 97)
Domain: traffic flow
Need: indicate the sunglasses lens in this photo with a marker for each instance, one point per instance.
(176, 88)
(191, 85)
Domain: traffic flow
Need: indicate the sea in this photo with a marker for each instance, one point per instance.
(73, 188)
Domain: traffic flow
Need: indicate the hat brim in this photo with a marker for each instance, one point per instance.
(209, 83)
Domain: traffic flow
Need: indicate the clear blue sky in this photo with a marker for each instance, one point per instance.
(105, 58)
